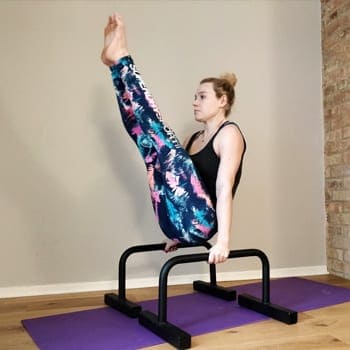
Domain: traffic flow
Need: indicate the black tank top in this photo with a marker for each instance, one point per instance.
(207, 162)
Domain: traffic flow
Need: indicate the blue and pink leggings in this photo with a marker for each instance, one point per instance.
(180, 201)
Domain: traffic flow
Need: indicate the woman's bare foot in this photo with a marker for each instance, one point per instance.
(171, 245)
(115, 46)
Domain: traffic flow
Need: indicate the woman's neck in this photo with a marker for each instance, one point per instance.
(210, 127)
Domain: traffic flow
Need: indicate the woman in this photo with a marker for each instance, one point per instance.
(188, 206)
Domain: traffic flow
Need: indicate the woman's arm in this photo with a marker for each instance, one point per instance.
(229, 146)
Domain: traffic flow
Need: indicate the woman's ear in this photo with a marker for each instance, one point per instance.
(223, 100)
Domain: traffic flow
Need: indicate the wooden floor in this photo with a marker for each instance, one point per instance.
(326, 328)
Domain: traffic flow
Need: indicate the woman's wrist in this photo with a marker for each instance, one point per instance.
(223, 239)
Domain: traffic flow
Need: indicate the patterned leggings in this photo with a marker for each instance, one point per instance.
(180, 201)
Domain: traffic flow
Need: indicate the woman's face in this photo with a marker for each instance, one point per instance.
(206, 105)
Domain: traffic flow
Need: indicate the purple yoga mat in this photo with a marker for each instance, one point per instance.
(105, 328)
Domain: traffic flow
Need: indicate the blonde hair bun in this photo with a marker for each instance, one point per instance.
(230, 77)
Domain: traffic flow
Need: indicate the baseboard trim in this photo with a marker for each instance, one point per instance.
(63, 288)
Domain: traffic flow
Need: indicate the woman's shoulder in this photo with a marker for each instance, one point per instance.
(230, 132)
(231, 124)
(230, 128)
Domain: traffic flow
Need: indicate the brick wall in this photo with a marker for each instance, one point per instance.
(336, 94)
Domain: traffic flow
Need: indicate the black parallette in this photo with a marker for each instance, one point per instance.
(158, 323)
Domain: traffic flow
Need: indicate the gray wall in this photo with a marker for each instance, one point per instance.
(73, 190)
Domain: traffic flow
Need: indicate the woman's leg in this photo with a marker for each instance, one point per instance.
(181, 203)
(132, 126)
(183, 207)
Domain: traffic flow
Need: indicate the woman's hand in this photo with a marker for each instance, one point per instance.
(218, 253)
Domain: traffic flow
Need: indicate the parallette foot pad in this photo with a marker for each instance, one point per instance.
(214, 290)
(123, 305)
(274, 311)
(169, 332)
